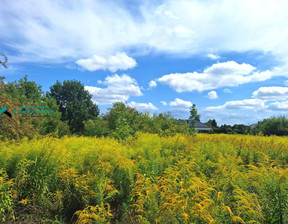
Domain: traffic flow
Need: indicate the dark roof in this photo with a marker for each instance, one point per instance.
(198, 124)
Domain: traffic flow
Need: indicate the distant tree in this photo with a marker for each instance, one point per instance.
(75, 104)
(273, 126)
(194, 113)
(212, 123)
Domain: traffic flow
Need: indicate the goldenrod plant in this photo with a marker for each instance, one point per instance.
(147, 178)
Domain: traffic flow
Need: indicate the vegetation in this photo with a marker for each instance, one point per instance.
(194, 113)
(75, 113)
(273, 126)
(145, 179)
(133, 167)
(75, 104)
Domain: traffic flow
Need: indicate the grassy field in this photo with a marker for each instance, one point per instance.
(146, 179)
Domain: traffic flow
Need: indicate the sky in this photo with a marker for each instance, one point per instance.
(229, 57)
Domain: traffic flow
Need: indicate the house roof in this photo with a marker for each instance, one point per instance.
(198, 124)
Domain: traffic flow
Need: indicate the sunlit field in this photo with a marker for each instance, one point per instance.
(145, 179)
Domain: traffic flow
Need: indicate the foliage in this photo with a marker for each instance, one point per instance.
(25, 91)
(19, 125)
(145, 179)
(212, 123)
(97, 127)
(124, 121)
(194, 113)
(273, 126)
(75, 104)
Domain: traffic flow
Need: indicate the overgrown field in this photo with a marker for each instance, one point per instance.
(146, 179)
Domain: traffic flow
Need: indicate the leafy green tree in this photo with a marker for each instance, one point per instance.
(25, 91)
(52, 124)
(273, 126)
(212, 123)
(121, 120)
(29, 93)
(97, 127)
(194, 113)
(75, 104)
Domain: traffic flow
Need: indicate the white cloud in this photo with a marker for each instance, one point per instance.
(278, 106)
(212, 95)
(53, 31)
(142, 106)
(247, 104)
(227, 91)
(216, 76)
(271, 93)
(152, 84)
(213, 56)
(119, 88)
(164, 103)
(286, 82)
(229, 68)
(180, 103)
(120, 61)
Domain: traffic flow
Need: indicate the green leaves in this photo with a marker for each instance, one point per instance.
(75, 104)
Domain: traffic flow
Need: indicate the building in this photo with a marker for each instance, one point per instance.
(198, 125)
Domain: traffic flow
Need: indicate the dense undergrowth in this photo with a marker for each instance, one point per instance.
(145, 179)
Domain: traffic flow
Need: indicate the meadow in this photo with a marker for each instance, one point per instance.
(145, 179)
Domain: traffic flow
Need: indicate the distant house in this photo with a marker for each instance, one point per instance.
(198, 125)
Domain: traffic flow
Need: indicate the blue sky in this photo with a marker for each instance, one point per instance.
(227, 57)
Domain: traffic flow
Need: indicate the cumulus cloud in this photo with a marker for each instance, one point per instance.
(212, 95)
(278, 106)
(120, 61)
(180, 103)
(247, 104)
(152, 84)
(52, 31)
(271, 93)
(218, 75)
(142, 106)
(119, 88)
(164, 103)
(213, 56)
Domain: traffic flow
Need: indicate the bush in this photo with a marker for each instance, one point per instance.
(273, 126)
(96, 127)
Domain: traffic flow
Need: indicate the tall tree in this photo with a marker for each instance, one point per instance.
(25, 91)
(194, 113)
(75, 104)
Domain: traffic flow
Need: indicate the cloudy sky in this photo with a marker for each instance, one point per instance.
(227, 57)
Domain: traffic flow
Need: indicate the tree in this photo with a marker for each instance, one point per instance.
(273, 126)
(193, 113)
(97, 127)
(75, 104)
(14, 127)
(121, 119)
(212, 123)
(25, 91)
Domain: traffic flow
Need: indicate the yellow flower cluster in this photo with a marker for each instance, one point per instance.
(145, 179)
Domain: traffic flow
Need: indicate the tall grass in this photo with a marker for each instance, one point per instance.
(145, 179)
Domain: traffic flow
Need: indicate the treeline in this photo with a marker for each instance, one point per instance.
(74, 113)
(269, 126)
